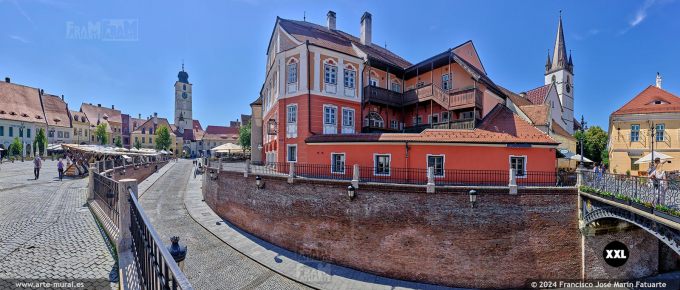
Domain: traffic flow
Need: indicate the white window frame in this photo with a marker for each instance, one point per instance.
(344, 162)
(430, 118)
(350, 77)
(375, 164)
(288, 146)
(663, 132)
(292, 75)
(330, 77)
(373, 82)
(367, 120)
(291, 126)
(394, 124)
(446, 81)
(395, 87)
(427, 161)
(330, 128)
(348, 129)
(524, 165)
(637, 137)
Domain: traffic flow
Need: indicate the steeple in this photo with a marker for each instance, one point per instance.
(560, 59)
(548, 64)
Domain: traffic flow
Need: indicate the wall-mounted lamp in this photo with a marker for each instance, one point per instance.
(473, 197)
(258, 182)
(351, 192)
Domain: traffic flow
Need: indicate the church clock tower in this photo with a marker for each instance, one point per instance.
(560, 71)
(183, 116)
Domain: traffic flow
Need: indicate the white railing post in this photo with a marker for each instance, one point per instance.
(430, 180)
(246, 170)
(125, 238)
(90, 180)
(219, 168)
(291, 172)
(355, 176)
(513, 182)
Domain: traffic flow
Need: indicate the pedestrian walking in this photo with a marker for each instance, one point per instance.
(37, 163)
(60, 168)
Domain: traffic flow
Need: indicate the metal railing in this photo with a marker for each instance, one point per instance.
(157, 267)
(415, 176)
(106, 196)
(634, 189)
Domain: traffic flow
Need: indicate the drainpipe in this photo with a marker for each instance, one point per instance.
(361, 114)
(309, 94)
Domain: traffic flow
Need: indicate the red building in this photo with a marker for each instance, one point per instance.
(332, 98)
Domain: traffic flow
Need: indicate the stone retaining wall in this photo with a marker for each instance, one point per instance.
(404, 233)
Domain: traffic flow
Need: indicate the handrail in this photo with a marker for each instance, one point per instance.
(177, 277)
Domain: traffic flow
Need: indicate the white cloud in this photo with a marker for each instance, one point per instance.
(641, 13)
(19, 38)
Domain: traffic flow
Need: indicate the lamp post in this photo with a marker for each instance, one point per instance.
(258, 182)
(23, 144)
(583, 139)
(652, 131)
(351, 192)
(473, 197)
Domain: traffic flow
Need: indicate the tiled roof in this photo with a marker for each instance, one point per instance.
(644, 103)
(538, 114)
(538, 95)
(149, 124)
(500, 126)
(197, 125)
(93, 112)
(338, 40)
(78, 116)
(515, 98)
(221, 130)
(20, 103)
(56, 111)
(557, 129)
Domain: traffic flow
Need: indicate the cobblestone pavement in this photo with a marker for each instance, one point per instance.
(47, 231)
(210, 263)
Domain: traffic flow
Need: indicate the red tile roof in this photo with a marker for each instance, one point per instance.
(500, 126)
(20, 103)
(94, 112)
(538, 95)
(557, 129)
(338, 40)
(515, 98)
(149, 124)
(644, 103)
(56, 111)
(221, 130)
(78, 116)
(538, 114)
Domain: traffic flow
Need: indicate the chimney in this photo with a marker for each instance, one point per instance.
(155, 114)
(330, 20)
(112, 107)
(62, 97)
(42, 92)
(7, 79)
(99, 105)
(658, 80)
(366, 28)
(140, 116)
(523, 94)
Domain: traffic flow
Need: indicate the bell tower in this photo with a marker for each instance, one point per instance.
(560, 70)
(183, 100)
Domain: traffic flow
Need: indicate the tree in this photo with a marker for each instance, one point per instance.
(595, 144)
(118, 142)
(163, 141)
(16, 148)
(137, 144)
(244, 136)
(40, 141)
(101, 135)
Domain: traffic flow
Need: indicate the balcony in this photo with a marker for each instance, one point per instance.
(462, 124)
(382, 96)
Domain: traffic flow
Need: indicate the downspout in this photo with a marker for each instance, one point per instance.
(363, 89)
(309, 94)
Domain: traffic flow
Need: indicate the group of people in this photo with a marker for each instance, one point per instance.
(37, 165)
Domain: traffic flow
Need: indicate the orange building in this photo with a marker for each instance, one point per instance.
(332, 98)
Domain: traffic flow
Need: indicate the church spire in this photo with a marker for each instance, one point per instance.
(548, 64)
(560, 58)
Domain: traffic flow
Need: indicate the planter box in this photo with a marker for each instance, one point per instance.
(621, 201)
(641, 207)
(667, 216)
(607, 197)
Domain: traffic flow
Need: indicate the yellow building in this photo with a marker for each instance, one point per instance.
(145, 134)
(630, 131)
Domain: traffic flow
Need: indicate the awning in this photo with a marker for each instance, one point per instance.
(648, 158)
(565, 154)
(577, 157)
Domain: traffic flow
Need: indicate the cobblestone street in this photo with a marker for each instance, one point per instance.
(210, 263)
(48, 232)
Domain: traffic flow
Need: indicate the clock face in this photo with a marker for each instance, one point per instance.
(184, 95)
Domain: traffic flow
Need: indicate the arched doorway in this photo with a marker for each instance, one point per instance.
(29, 152)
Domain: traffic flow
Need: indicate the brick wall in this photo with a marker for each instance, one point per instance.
(405, 233)
(140, 173)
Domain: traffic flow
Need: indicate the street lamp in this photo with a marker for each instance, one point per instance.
(583, 138)
(258, 182)
(23, 144)
(473, 197)
(351, 192)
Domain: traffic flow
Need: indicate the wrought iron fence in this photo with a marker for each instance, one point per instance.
(638, 189)
(416, 176)
(106, 196)
(158, 269)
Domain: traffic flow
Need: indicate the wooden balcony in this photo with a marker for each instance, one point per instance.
(465, 98)
(462, 124)
(382, 96)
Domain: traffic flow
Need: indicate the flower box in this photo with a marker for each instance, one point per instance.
(621, 201)
(641, 207)
(667, 216)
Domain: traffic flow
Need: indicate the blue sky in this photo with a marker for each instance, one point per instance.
(618, 46)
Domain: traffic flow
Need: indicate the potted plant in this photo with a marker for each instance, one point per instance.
(620, 198)
(642, 205)
(628, 173)
(667, 213)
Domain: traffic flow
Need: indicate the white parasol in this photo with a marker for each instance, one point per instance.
(648, 158)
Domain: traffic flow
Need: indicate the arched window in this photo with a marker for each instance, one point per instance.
(554, 79)
(292, 70)
(373, 79)
(374, 120)
(349, 76)
(330, 72)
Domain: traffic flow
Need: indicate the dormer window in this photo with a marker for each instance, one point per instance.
(658, 102)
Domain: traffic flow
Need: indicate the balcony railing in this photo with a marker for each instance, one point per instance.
(451, 100)
(462, 124)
